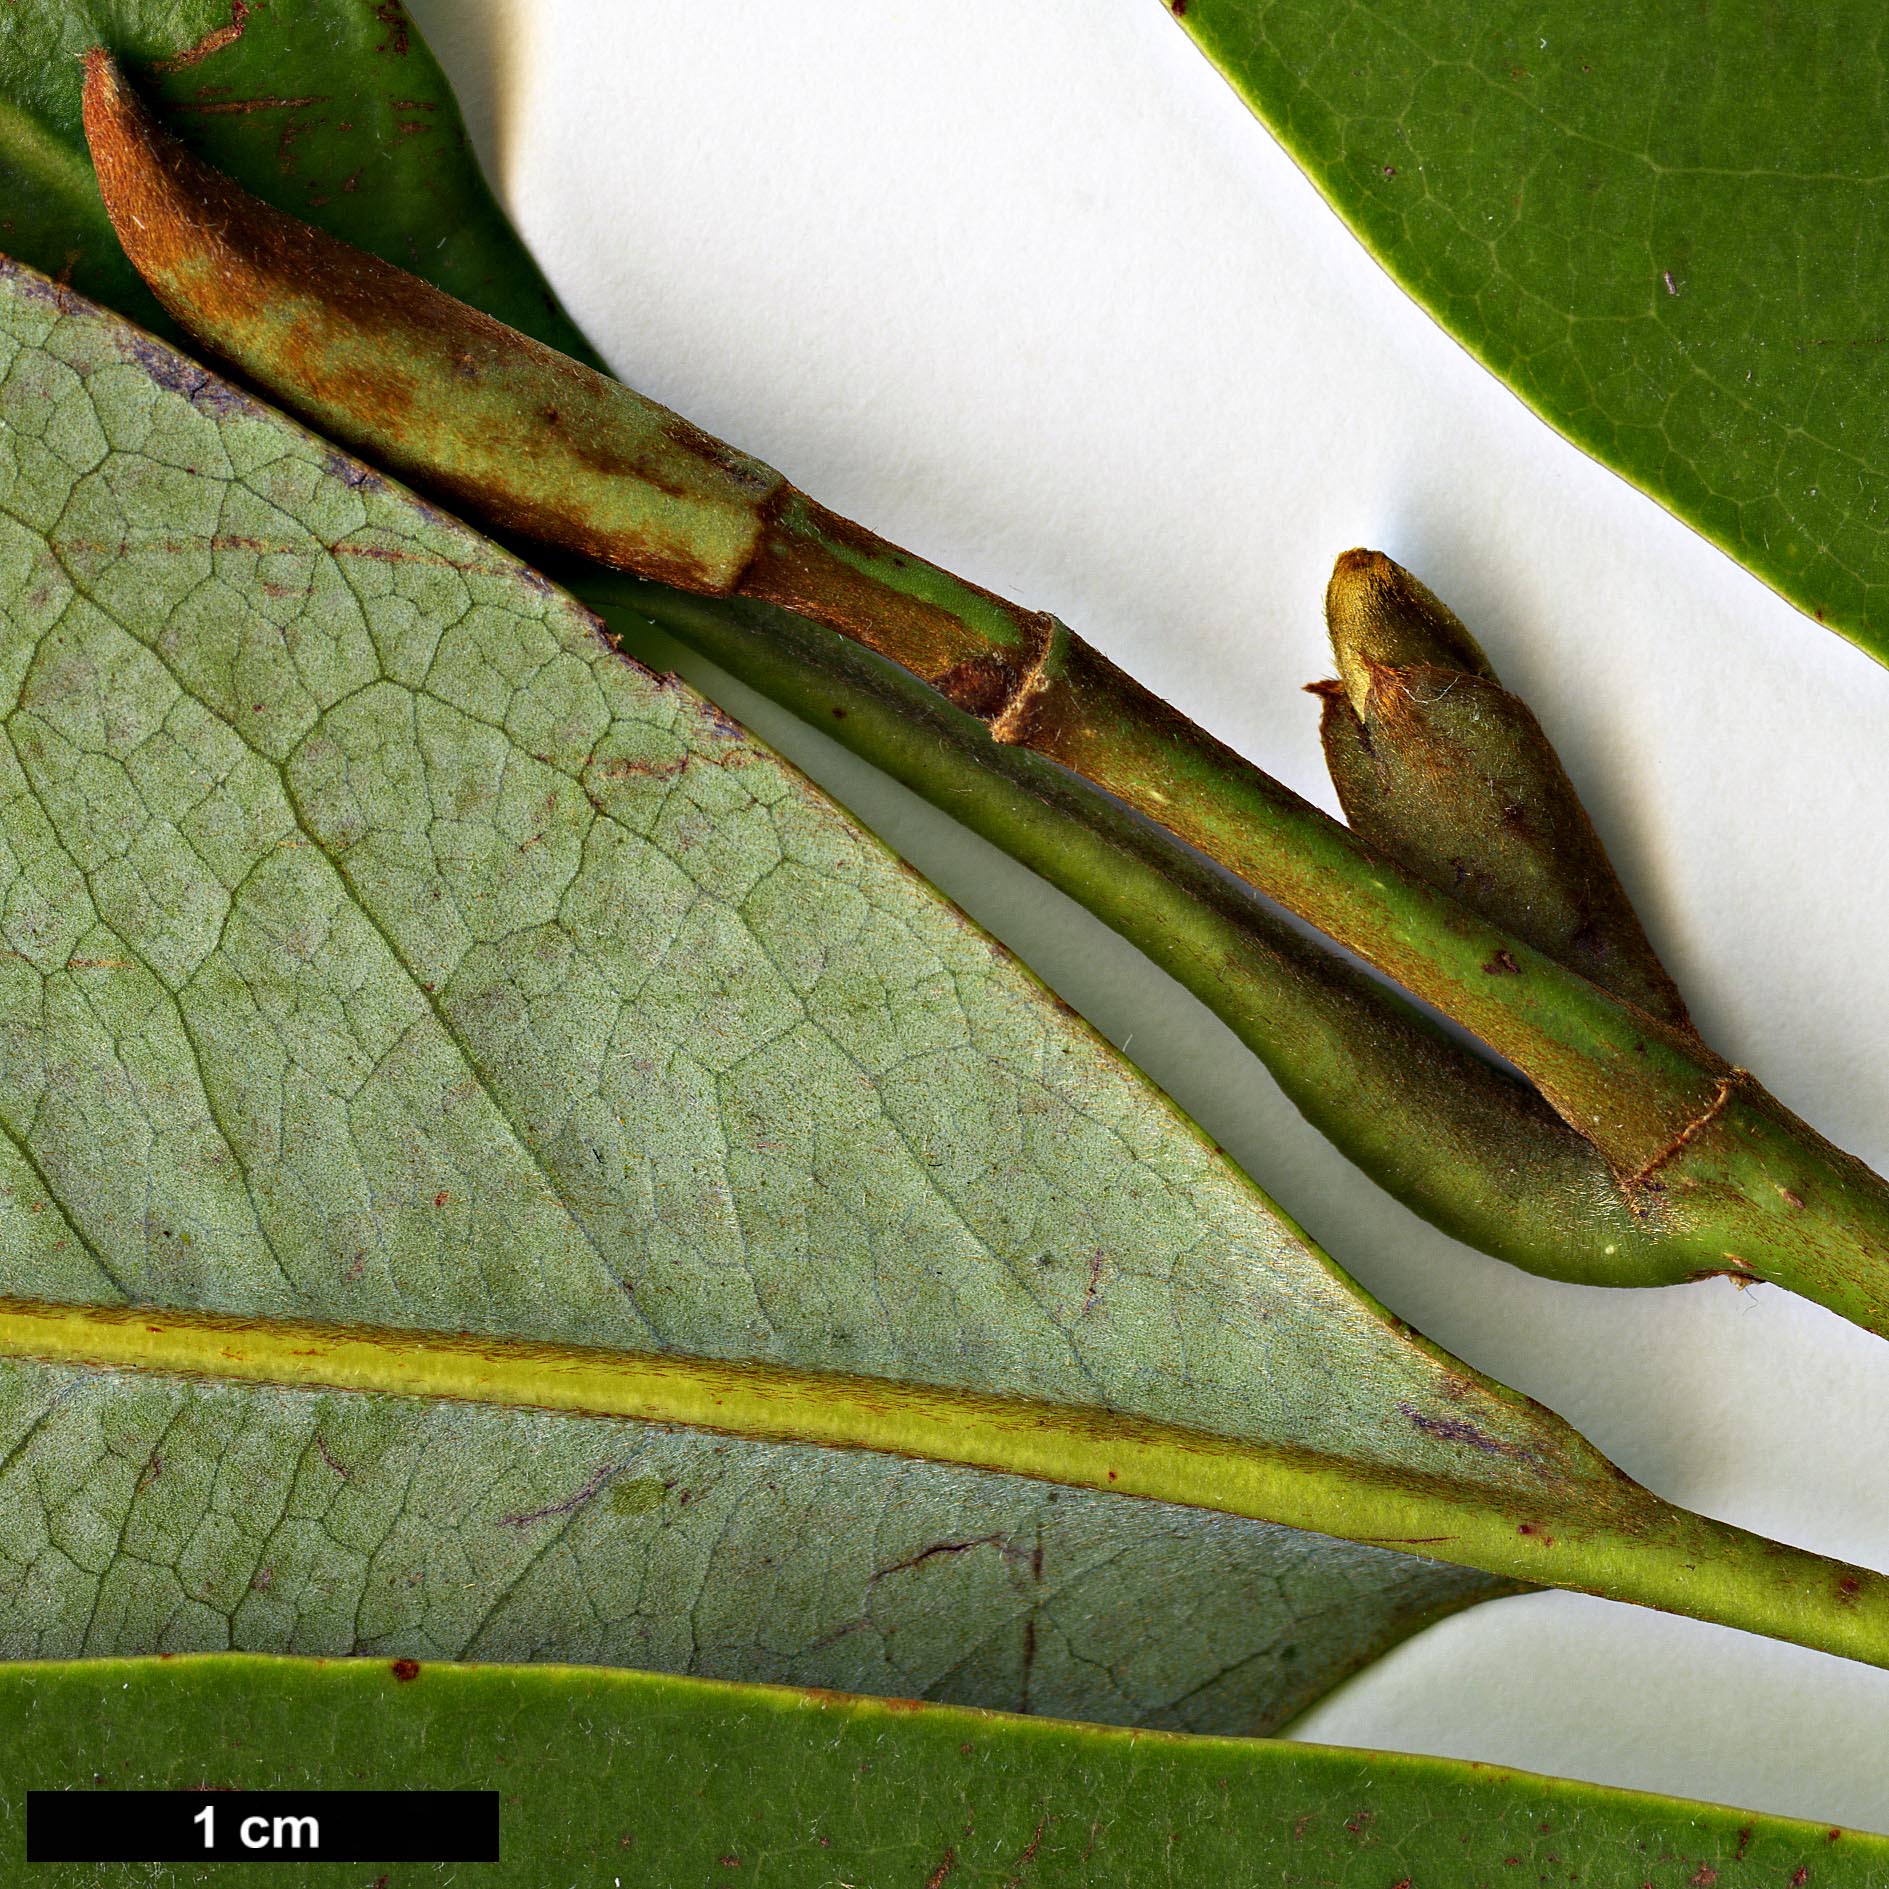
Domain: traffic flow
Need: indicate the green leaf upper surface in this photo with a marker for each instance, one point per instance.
(382, 948)
(333, 109)
(1662, 228)
(619, 1777)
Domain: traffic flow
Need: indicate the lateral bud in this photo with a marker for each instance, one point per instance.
(1441, 767)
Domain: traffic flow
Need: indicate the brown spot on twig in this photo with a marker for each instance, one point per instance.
(981, 685)
(405, 1670)
(1502, 965)
(1010, 723)
(1693, 1129)
(212, 42)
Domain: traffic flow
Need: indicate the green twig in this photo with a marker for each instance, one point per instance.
(1672, 1139)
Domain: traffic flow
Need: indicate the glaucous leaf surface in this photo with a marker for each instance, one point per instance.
(382, 948)
(1662, 229)
(628, 1778)
(384, 952)
(1346, 1052)
(146, 1512)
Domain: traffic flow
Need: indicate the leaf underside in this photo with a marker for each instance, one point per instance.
(1662, 229)
(382, 948)
(384, 951)
(147, 1512)
(625, 1777)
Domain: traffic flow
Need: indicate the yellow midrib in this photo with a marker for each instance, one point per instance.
(1617, 1539)
(1087, 1448)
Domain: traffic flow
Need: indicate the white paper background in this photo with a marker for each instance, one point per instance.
(1027, 288)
